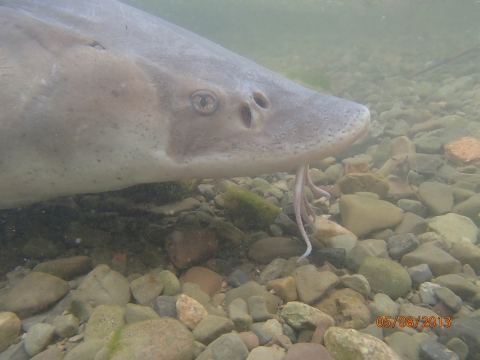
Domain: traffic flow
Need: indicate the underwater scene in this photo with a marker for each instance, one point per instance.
(262, 180)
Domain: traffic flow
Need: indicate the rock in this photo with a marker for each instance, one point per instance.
(267, 353)
(312, 285)
(346, 242)
(402, 145)
(272, 271)
(35, 292)
(437, 197)
(302, 316)
(10, 326)
(227, 346)
(440, 262)
(137, 313)
(431, 349)
(382, 305)
(104, 320)
(412, 206)
(258, 309)
(237, 277)
(354, 345)
(455, 228)
(365, 248)
(266, 250)
(146, 288)
(466, 329)
(250, 339)
(164, 338)
(459, 285)
(428, 144)
(176, 208)
(189, 311)
(171, 284)
(165, 306)
(333, 172)
(284, 288)
(38, 248)
(419, 274)
(386, 276)
(426, 126)
(422, 314)
(66, 268)
(208, 280)
(427, 293)
(459, 347)
(306, 351)
(238, 313)
(65, 325)
(467, 253)
(333, 256)
(194, 291)
(357, 182)
(254, 209)
(211, 327)
(51, 353)
(228, 235)
(86, 350)
(396, 128)
(404, 345)
(357, 283)
(101, 286)
(190, 244)
(38, 337)
(362, 215)
(411, 223)
(463, 151)
(469, 208)
(400, 245)
(264, 337)
(249, 289)
(351, 313)
(326, 230)
(449, 298)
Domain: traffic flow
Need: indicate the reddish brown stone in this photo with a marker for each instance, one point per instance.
(208, 280)
(190, 245)
(463, 151)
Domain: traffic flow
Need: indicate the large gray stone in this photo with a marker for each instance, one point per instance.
(386, 276)
(164, 338)
(437, 197)
(456, 228)
(102, 286)
(362, 215)
(352, 344)
(35, 292)
(440, 262)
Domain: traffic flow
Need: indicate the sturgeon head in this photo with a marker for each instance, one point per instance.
(96, 95)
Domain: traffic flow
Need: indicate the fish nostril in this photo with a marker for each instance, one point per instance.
(246, 116)
(261, 100)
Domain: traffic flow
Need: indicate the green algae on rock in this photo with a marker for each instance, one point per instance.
(257, 212)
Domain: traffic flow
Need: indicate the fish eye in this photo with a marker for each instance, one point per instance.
(204, 102)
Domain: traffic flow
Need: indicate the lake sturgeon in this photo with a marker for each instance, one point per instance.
(96, 95)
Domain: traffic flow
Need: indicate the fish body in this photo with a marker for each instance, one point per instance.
(96, 95)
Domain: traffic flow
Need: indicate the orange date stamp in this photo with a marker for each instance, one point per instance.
(413, 322)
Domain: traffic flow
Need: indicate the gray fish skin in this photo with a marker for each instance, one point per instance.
(97, 96)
